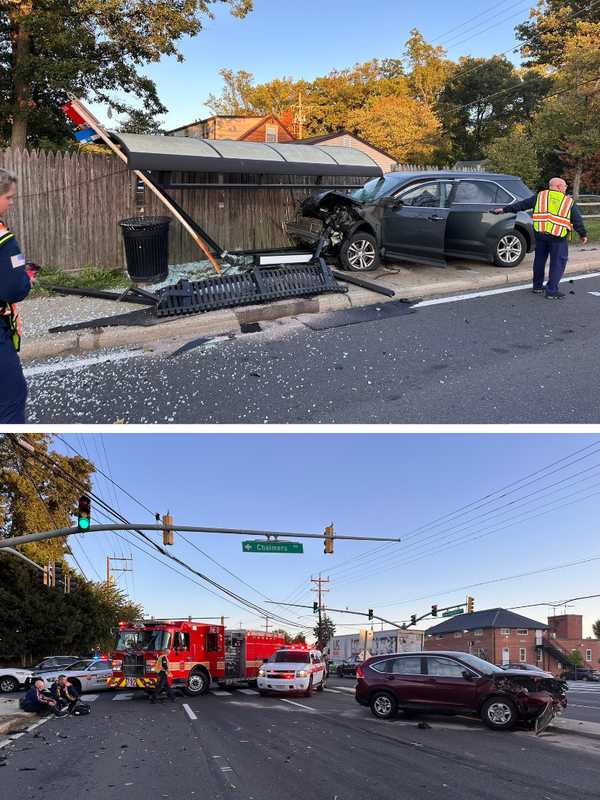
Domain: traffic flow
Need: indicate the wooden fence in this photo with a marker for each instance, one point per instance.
(69, 206)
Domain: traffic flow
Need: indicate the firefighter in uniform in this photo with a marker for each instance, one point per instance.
(162, 682)
(555, 215)
(15, 284)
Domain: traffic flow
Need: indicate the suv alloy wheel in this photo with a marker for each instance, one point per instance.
(499, 714)
(8, 684)
(359, 253)
(510, 249)
(383, 705)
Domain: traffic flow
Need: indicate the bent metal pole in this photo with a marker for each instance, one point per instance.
(131, 526)
(95, 124)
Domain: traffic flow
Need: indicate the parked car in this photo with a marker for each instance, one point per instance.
(50, 664)
(12, 678)
(347, 669)
(580, 674)
(517, 665)
(87, 675)
(292, 670)
(419, 216)
(457, 683)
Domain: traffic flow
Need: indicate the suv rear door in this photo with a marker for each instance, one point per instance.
(403, 675)
(415, 228)
(470, 222)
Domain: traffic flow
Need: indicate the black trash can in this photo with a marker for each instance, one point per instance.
(146, 242)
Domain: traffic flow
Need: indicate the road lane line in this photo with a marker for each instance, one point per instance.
(345, 689)
(220, 693)
(79, 363)
(29, 728)
(89, 698)
(333, 691)
(248, 691)
(293, 702)
(490, 292)
(123, 696)
(189, 711)
(578, 705)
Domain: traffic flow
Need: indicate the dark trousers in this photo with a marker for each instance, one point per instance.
(13, 388)
(162, 685)
(558, 249)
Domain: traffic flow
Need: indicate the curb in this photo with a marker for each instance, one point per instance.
(227, 321)
(17, 722)
(580, 728)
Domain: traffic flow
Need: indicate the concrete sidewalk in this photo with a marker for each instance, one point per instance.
(577, 726)
(409, 281)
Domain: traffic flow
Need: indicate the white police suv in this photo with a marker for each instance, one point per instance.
(292, 669)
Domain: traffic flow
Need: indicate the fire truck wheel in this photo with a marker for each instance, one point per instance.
(198, 683)
(308, 692)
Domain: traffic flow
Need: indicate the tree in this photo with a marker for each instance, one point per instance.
(569, 123)
(324, 631)
(428, 68)
(515, 154)
(286, 637)
(596, 629)
(404, 127)
(140, 121)
(299, 638)
(546, 35)
(52, 48)
(576, 658)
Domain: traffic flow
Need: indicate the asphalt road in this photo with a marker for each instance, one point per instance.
(584, 701)
(504, 358)
(239, 745)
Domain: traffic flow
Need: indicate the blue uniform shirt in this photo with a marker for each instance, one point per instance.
(14, 281)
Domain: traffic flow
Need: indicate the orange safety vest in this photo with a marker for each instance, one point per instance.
(8, 311)
(552, 213)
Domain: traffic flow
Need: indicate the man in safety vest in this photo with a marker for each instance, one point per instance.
(555, 215)
(15, 284)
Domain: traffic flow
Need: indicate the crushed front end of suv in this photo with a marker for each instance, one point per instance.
(424, 217)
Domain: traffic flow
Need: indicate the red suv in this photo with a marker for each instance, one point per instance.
(457, 683)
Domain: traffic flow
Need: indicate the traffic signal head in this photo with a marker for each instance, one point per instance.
(328, 548)
(413, 619)
(470, 602)
(168, 535)
(84, 509)
(434, 611)
(58, 575)
(370, 613)
(315, 607)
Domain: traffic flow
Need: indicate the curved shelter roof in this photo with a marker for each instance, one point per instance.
(183, 153)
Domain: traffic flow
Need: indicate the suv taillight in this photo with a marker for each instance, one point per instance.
(359, 671)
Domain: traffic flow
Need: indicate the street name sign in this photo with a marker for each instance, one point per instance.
(272, 547)
(453, 612)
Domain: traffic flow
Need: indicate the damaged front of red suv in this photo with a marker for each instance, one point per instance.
(538, 698)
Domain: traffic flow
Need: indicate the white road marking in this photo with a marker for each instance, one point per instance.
(248, 691)
(79, 363)
(346, 689)
(89, 698)
(490, 292)
(189, 711)
(596, 294)
(578, 705)
(29, 728)
(220, 693)
(293, 702)
(333, 691)
(123, 696)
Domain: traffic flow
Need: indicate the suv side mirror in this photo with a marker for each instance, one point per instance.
(468, 676)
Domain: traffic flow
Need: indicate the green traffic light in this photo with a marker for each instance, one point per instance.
(83, 523)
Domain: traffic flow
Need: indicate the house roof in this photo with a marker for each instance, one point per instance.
(490, 618)
(335, 134)
(261, 121)
(215, 116)
(186, 154)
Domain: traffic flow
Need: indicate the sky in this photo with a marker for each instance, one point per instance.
(392, 485)
(305, 40)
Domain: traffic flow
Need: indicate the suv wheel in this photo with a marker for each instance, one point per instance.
(321, 685)
(383, 705)
(359, 253)
(499, 714)
(8, 684)
(510, 249)
(308, 692)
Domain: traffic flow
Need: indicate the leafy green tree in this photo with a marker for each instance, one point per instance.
(140, 121)
(299, 638)
(596, 629)
(546, 34)
(515, 154)
(52, 48)
(428, 68)
(324, 631)
(287, 638)
(576, 658)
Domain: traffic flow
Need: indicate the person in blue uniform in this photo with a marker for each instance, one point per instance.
(15, 284)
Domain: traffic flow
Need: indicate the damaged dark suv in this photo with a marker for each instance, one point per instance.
(419, 216)
(458, 683)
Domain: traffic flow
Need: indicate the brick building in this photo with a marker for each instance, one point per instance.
(244, 129)
(502, 637)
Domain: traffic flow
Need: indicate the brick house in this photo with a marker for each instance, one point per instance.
(502, 637)
(386, 161)
(244, 129)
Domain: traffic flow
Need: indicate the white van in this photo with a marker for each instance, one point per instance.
(292, 669)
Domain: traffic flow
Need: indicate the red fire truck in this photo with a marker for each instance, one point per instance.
(197, 654)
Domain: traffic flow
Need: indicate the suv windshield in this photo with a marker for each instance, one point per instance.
(143, 640)
(291, 657)
(479, 664)
(373, 190)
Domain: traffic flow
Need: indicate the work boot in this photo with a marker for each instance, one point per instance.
(554, 296)
(538, 290)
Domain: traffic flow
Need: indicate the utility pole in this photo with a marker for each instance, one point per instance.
(110, 569)
(266, 624)
(320, 592)
(299, 117)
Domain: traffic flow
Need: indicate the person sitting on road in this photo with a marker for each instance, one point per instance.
(37, 702)
(64, 693)
(162, 683)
